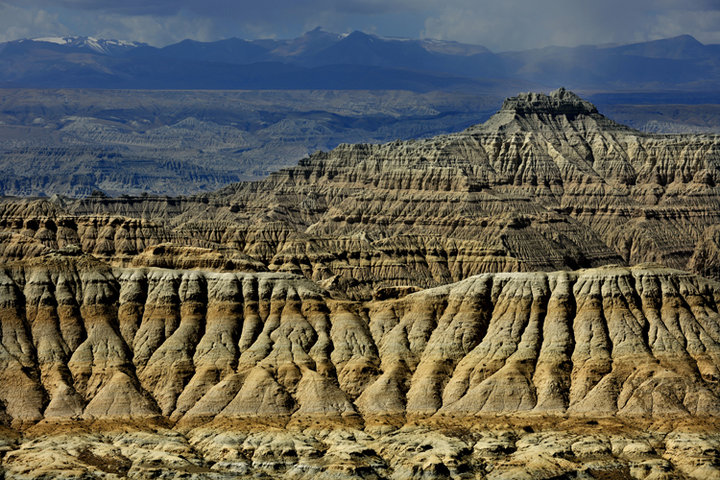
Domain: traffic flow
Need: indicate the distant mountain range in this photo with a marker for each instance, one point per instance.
(323, 60)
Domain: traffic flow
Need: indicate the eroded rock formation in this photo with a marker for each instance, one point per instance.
(84, 340)
(547, 183)
(88, 346)
(467, 306)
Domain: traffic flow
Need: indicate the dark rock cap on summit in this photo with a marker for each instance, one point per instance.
(558, 102)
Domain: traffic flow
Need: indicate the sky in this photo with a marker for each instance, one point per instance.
(500, 25)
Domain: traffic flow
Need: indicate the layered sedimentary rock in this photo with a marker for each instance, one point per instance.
(547, 183)
(117, 371)
(494, 451)
(76, 141)
(460, 307)
(82, 340)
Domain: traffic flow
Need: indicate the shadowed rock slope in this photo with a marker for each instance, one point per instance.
(547, 183)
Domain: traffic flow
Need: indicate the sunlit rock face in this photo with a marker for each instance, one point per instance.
(211, 372)
(477, 305)
(547, 183)
(81, 340)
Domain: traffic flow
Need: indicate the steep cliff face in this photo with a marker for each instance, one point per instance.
(83, 340)
(547, 183)
(148, 371)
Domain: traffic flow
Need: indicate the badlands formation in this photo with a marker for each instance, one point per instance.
(547, 183)
(534, 297)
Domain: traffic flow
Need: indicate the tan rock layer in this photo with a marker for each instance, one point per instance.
(83, 340)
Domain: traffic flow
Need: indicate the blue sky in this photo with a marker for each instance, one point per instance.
(497, 24)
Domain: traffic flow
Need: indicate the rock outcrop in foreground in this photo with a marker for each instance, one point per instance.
(111, 369)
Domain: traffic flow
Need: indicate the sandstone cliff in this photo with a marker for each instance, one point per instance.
(81, 340)
(482, 372)
(457, 307)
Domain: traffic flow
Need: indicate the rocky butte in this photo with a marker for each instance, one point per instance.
(534, 297)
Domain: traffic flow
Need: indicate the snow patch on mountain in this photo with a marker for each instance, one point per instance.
(98, 45)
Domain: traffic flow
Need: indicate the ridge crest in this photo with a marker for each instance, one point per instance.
(558, 102)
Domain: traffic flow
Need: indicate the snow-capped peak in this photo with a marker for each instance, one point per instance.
(58, 40)
(96, 44)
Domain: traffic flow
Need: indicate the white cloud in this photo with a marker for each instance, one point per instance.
(704, 25)
(522, 24)
(18, 22)
(153, 30)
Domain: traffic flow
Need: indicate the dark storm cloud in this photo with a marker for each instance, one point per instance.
(128, 7)
(498, 24)
(220, 8)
